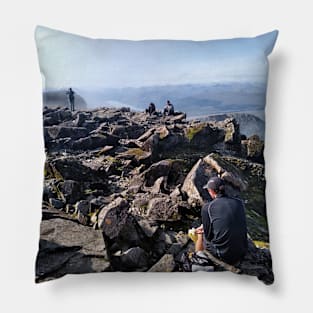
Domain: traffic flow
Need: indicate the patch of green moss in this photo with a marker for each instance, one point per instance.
(255, 206)
(193, 130)
(143, 208)
(135, 151)
(93, 213)
(74, 215)
(48, 172)
(261, 244)
(111, 159)
(57, 175)
(254, 195)
(257, 226)
(59, 193)
(89, 191)
(120, 168)
(175, 216)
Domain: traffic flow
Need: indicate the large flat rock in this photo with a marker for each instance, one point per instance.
(67, 247)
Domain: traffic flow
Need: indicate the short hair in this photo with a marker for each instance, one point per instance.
(220, 190)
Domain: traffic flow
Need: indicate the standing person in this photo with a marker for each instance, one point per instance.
(70, 93)
(168, 109)
(224, 230)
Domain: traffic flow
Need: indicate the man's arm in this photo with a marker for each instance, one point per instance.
(199, 243)
(204, 230)
(206, 221)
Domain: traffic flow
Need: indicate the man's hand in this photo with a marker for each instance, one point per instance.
(200, 230)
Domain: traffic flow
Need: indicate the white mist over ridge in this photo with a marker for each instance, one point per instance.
(194, 99)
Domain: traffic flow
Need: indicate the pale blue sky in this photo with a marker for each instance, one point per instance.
(71, 60)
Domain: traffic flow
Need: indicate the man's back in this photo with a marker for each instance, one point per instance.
(225, 228)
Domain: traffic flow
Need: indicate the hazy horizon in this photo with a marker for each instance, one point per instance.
(194, 99)
(199, 77)
(70, 60)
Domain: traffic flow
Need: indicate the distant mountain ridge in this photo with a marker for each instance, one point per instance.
(249, 123)
(194, 99)
(200, 101)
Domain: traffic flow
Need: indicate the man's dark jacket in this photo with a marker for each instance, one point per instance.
(225, 228)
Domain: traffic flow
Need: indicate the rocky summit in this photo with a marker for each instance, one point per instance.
(122, 188)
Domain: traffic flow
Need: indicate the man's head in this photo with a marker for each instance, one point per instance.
(215, 187)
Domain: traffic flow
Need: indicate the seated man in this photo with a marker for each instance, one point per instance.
(151, 109)
(223, 231)
(168, 109)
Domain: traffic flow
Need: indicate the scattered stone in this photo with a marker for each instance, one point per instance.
(56, 203)
(56, 116)
(258, 262)
(104, 150)
(148, 227)
(179, 117)
(80, 119)
(56, 132)
(67, 247)
(132, 131)
(151, 144)
(82, 209)
(193, 185)
(227, 171)
(133, 259)
(232, 131)
(71, 168)
(146, 135)
(94, 141)
(202, 135)
(98, 202)
(156, 171)
(162, 209)
(112, 218)
(165, 264)
(252, 149)
(71, 190)
(137, 154)
(139, 180)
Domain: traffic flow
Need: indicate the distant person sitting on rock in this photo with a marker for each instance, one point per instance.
(223, 231)
(168, 109)
(151, 109)
(71, 98)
